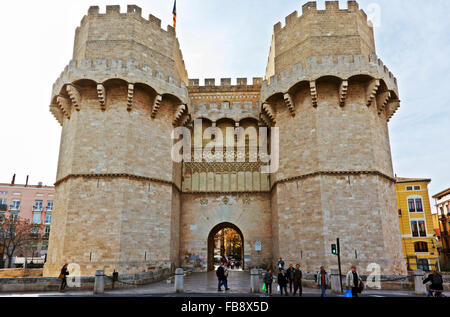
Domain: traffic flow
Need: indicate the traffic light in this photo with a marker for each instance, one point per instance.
(334, 249)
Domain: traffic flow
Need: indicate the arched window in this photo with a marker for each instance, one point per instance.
(421, 246)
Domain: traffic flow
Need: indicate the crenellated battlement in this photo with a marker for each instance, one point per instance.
(310, 9)
(129, 70)
(342, 66)
(133, 11)
(225, 83)
(123, 35)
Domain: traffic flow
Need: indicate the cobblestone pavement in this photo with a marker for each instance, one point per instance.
(205, 284)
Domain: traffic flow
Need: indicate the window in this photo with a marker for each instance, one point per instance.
(415, 205)
(3, 193)
(3, 204)
(418, 228)
(15, 204)
(47, 230)
(421, 246)
(422, 264)
(36, 217)
(2, 217)
(14, 215)
(442, 211)
(49, 205)
(17, 194)
(409, 188)
(419, 206)
(416, 187)
(37, 205)
(48, 218)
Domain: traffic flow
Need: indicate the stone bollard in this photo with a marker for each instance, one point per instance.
(99, 283)
(419, 287)
(335, 281)
(254, 281)
(179, 284)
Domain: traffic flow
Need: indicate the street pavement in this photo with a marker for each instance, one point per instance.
(202, 285)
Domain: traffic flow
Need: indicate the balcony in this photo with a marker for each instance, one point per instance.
(36, 208)
(49, 208)
(14, 208)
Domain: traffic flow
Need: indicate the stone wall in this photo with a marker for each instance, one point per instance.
(52, 284)
(12, 273)
(202, 212)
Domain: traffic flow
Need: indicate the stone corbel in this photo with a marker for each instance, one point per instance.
(74, 96)
(263, 117)
(55, 109)
(185, 120)
(179, 114)
(391, 108)
(101, 92)
(382, 101)
(289, 103)
(343, 92)
(156, 105)
(269, 111)
(130, 97)
(372, 90)
(64, 105)
(313, 89)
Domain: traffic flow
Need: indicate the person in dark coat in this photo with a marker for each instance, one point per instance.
(290, 276)
(221, 277)
(268, 279)
(282, 281)
(298, 280)
(63, 277)
(436, 286)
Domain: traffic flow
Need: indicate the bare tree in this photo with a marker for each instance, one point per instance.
(15, 234)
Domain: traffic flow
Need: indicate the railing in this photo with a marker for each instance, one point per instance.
(49, 208)
(37, 208)
(14, 208)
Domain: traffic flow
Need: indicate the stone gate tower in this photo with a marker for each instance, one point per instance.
(123, 204)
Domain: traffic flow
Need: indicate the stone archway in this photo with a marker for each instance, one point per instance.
(212, 238)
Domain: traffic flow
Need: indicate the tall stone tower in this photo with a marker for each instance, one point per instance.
(122, 203)
(331, 98)
(117, 204)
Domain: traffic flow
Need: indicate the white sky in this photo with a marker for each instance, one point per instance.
(223, 39)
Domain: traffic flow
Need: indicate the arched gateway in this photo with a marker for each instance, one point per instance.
(225, 241)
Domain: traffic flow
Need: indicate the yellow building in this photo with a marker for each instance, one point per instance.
(416, 223)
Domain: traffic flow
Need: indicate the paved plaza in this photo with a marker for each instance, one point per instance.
(205, 284)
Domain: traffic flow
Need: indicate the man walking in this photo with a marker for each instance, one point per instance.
(222, 278)
(298, 280)
(322, 281)
(282, 282)
(353, 281)
(290, 276)
(268, 279)
(280, 265)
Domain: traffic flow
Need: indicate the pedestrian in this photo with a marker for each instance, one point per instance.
(290, 275)
(322, 281)
(436, 286)
(280, 264)
(268, 279)
(282, 282)
(63, 277)
(353, 281)
(221, 277)
(298, 280)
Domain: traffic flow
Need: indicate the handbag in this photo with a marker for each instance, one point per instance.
(61, 275)
(360, 287)
(348, 293)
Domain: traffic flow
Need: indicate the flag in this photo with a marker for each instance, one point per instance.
(175, 15)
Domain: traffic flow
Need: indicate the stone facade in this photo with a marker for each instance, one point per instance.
(122, 203)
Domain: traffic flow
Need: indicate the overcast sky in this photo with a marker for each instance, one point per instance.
(224, 39)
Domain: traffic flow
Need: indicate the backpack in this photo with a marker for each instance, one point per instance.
(437, 279)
